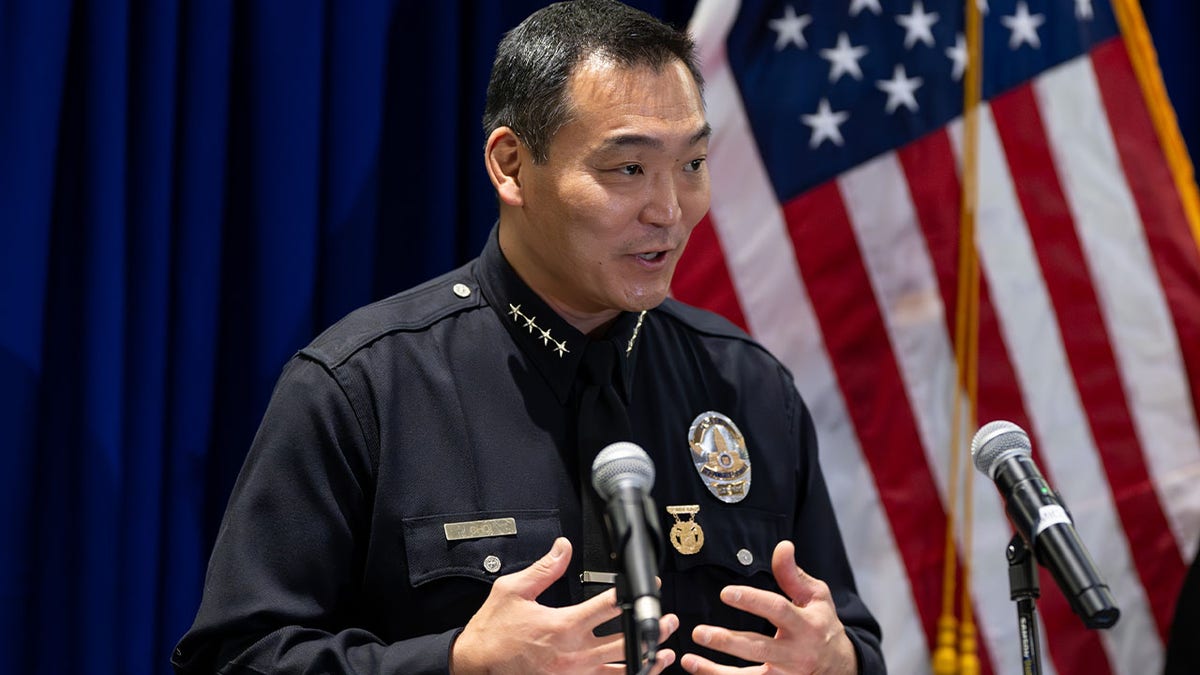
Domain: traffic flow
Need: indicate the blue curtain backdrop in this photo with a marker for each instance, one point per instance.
(189, 192)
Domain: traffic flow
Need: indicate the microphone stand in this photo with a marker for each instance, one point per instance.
(1023, 588)
(633, 641)
(639, 651)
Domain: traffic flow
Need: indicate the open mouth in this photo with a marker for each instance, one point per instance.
(652, 256)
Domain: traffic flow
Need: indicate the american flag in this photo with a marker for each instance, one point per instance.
(833, 238)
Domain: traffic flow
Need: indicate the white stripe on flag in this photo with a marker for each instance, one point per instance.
(906, 291)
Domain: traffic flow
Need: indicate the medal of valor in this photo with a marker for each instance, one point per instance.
(720, 455)
(686, 535)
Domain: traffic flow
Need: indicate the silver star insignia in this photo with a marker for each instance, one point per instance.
(561, 348)
(514, 311)
(546, 337)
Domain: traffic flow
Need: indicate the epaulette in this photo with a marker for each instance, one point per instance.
(411, 310)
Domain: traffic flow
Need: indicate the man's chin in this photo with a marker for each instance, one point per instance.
(644, 301)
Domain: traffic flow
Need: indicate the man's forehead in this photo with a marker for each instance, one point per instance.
(618, 101)
(599, 76)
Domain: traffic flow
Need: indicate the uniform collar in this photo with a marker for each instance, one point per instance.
(554, 346)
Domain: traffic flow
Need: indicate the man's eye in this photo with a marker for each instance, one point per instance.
(694, 165)
(631, 169)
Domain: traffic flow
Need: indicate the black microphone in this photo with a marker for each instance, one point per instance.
(623, 475)
(1002, 451)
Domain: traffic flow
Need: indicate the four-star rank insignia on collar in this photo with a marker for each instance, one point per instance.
(720, 455)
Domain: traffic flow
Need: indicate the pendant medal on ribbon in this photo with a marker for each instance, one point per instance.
(686, 535)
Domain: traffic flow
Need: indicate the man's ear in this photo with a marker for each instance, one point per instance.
(502, 158)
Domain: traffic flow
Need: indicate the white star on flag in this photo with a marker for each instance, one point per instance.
(983, 6)
(1083, 9)
(790, 29)
(857, 6)
(958, 54)
(900, 90)
(918, 25)
(843, 59)
(825, 123)
(1023, 26)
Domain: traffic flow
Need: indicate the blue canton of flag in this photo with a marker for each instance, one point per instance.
(828, 85)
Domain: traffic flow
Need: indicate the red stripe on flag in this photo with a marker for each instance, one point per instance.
(1088, 348)
(1175, 251)
(870, 382)
(929, 166)
(702, 277)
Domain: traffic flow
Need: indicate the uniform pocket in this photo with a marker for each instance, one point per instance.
(736, 539)
(482, 555)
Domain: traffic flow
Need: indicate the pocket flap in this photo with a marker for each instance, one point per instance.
(484, 552)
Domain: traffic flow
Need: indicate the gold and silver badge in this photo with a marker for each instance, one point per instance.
(720, 455)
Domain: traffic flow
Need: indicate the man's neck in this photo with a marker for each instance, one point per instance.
(594, 324)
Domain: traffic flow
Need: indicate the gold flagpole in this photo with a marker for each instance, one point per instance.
(947, 660)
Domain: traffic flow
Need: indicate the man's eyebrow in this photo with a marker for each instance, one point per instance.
(642, 140)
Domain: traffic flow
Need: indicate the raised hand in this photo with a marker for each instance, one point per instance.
(513, 633)
(809, 637)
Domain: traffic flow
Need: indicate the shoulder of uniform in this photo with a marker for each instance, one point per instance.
(413, 310)
(721, 334)
(703, 321)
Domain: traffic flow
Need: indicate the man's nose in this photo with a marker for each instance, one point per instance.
(662, 203)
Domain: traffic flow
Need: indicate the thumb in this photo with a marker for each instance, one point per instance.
(793, 581)
(530, 582)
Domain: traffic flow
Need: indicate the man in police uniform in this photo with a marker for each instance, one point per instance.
(416, 499)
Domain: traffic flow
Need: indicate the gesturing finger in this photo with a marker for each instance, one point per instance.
(793, 581)
(750, 646)
(766, 604)
(611, 648)
(595, 610)
(530, 582)
(699, 665)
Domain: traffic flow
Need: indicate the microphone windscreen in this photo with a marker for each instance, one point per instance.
(619, 463)
(995, 441)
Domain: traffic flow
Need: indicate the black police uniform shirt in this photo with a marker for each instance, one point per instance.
(452, 403)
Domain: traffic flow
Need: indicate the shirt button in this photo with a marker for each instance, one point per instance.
(462, 290)
(745, 557)
(491, 564)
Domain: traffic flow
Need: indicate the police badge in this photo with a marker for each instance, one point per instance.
(720, 455)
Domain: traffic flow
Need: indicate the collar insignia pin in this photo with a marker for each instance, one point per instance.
(560, 347)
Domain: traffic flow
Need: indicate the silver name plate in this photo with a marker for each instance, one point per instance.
(478, 529)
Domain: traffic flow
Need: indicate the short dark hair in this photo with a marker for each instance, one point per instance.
(534, 62)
